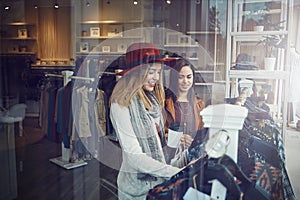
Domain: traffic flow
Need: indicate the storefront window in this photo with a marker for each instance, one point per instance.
(61, 61)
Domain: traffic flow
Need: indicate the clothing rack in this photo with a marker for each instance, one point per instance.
(54, 75)
(63, 160)
(68, 75)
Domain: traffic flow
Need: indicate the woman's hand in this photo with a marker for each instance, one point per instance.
(186, 140)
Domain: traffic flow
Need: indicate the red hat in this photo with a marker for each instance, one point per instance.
(142, 53)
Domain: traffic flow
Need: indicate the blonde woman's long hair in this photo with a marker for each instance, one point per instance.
(132, 83)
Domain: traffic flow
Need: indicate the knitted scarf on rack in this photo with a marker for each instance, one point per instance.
(142, 121)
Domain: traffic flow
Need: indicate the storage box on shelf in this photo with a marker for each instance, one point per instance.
(18, 38)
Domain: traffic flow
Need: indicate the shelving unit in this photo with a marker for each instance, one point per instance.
(18, 38)
(244, 39)
(91, 36)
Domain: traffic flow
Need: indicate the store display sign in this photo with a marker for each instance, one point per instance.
(95, 32)
(84, 47)
(22, 33)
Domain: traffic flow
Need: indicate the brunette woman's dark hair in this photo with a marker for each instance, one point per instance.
(172, 91)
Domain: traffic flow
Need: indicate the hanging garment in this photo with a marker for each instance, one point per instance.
(44, 108)
(256, 146)
(198, 176)
(197, 148)
(89, 122)
(269, 178)
(260, 141)
(89, 107)
(51, 123)
(64, 113)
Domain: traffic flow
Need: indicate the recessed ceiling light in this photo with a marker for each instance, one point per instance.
(56, 6)
(6, 7)
(135, 2)
(168, 1)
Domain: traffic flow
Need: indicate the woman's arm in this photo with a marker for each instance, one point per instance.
(131, 148)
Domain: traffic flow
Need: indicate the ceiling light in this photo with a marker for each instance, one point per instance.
(135, 2)
(197, 1)
(87, 4)
(108, 1)
(168, 1)
(6, 7)
(35, 6)
(56, 6)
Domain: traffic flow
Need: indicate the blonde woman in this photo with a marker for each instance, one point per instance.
(136, 114)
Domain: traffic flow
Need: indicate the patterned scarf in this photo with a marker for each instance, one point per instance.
(143, 125)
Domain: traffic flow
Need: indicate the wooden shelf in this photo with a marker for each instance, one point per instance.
(203, 84)
(257, 33)
(112, 33)
(202, 32)
(17, 38)
(180, 46)
(268, 12)
(18, 53)
(18, 24)
(18, 34)
(55, 65)
(51, 67)
(256, 1)
(259, 74)
(100, 53)
(108, 37)
(110, 22)
(206, 71)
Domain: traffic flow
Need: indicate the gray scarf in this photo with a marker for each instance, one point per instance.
(142, 121)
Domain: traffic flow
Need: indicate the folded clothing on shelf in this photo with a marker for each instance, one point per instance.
(245, 62)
